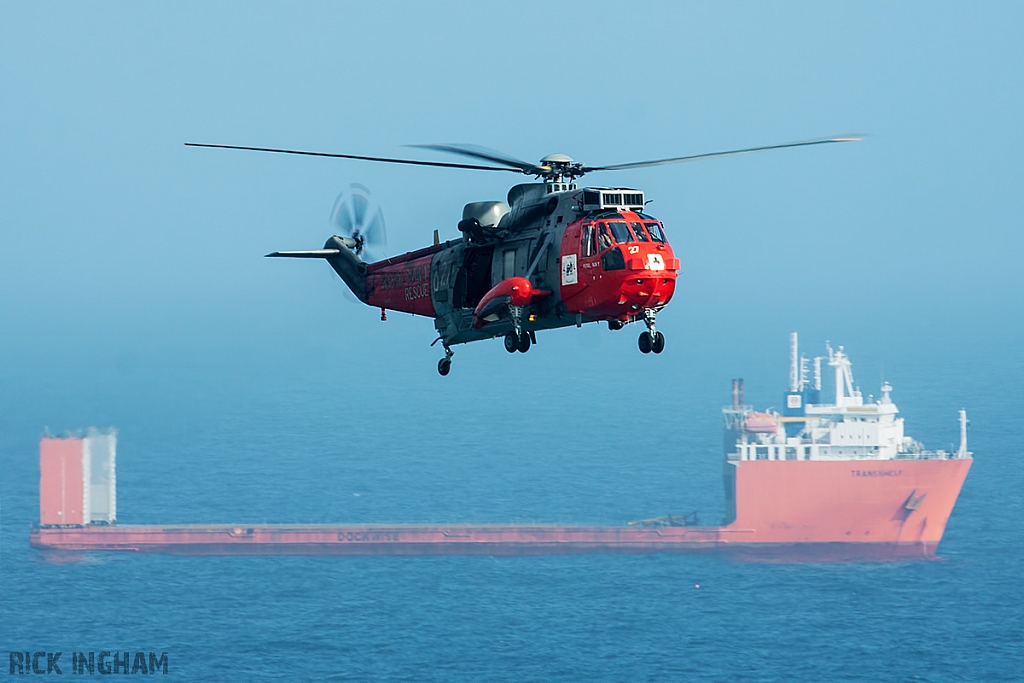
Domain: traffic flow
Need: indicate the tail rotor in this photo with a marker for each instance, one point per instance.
(359, 220)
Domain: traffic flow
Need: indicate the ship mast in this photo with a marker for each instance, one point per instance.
(962, 452)
(794, 363)
(846, 393)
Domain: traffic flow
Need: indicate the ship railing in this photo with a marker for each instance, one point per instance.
(932, 455)
(831, 452)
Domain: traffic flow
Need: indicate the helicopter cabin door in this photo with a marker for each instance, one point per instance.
(580, 264)
(474, 278)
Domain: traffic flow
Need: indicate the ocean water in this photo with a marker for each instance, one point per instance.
(277, 435)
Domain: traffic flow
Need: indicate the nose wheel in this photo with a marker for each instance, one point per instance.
(651, 340)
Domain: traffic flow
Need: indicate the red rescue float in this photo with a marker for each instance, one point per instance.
(513, 291)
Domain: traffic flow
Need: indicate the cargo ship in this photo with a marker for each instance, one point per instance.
(818, 481)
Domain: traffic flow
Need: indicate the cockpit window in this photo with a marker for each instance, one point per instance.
(656, 234)
(588, 240)
(604, 238)
(621, 231)
(613, 260)
(641, 234)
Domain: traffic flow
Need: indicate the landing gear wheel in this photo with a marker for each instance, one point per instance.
(444, 366)
(659, 342)
(511, 342)
(645, 342)
(524, 342)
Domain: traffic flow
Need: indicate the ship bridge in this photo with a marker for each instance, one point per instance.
(847, 429)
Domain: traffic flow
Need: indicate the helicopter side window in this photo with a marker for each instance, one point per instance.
(621, 231)
(588, 240)
(656, 234)
(604, 238)
(638, 230)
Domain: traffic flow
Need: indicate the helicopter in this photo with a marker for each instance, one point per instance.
(553, 254)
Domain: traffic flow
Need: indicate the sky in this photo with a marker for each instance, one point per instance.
(122, 251)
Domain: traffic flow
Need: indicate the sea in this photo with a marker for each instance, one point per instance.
(582, 429)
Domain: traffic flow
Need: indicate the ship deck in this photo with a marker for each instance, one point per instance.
(464, 539)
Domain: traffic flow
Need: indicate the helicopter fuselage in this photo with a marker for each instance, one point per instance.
(585, 259)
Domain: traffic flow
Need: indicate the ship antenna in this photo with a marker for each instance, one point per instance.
(794, 363)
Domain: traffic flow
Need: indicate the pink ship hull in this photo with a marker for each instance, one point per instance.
(789, 509)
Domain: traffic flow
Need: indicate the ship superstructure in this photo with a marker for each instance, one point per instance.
(848, 428)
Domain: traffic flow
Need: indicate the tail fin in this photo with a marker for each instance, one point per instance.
(346, 264)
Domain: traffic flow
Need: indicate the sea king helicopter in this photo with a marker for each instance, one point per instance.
(553, 254)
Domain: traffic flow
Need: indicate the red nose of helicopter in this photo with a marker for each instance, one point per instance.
(626, 266)
(639, 291)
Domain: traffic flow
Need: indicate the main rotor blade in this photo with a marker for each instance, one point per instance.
(411, 162)
(477, 152)
(712, 155)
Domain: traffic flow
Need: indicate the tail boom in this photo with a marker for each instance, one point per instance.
(346, 264)
(401, 283)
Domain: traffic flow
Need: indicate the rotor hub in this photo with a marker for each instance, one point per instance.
(553, 159)
(557, 167)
